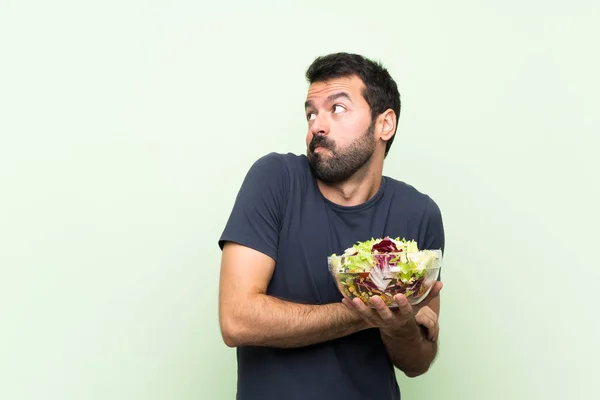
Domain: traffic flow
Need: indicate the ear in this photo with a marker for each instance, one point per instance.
(387, 121)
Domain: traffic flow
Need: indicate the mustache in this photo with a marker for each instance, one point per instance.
(320, 141)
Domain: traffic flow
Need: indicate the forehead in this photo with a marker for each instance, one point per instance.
(352, 85)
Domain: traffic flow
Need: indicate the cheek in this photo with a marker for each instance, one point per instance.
(309, 137)
(346, 132)
(353, 128)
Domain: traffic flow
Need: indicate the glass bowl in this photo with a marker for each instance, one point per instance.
(387, 274)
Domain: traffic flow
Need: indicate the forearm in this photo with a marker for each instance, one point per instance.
(409, 350)
(268, 321)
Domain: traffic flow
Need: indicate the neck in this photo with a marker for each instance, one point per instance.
(356, 190)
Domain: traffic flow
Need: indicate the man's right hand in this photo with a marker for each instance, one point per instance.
(429, 319)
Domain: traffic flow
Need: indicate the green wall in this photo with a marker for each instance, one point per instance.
(127, 127)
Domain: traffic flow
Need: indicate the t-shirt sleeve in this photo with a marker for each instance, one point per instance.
(257, 213)
(433, 228)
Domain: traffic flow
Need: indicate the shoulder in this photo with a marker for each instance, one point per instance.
(424, 213)
(407, 192)
(271, 162)
(277, 174)
(280, 167)
(410, 197)
(280, 162)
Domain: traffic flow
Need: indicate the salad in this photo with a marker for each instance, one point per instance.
(386, 267)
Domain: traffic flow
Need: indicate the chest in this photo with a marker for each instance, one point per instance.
(313, 230)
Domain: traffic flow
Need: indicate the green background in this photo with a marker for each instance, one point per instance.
(127, 128)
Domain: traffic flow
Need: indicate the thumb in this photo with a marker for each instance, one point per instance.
(433, 293)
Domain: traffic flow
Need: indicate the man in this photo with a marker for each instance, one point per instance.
(296, 337)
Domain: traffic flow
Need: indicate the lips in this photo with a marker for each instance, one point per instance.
(320, 149)
(319, 142)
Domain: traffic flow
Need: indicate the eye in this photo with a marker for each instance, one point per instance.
(310, 116)
(338, 107)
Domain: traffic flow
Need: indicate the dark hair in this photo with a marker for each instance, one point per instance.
(381, 92)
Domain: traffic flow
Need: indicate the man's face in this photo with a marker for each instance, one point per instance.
(340, 138)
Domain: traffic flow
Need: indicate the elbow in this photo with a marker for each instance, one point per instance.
(229, 338)
(232, 332)
(230, 335)
(237, 327)
(415, 373)
(422, 367)
(230, 341)
(417, 370)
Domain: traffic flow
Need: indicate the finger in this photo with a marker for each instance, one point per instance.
(358, 306)
(361, 307)
(349, 304)
(422, 311)
(425, 309)
(435, 290)
(425, 321)
(428, 318)
(428, 323)
(404, 307)
(435, 326)
(433, 329)
(436, 322)
(384, 312)
(433, 293)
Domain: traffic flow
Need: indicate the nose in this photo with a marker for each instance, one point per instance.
(320, 125)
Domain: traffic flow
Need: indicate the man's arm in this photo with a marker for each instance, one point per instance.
(250, 317)
(409, 349)
(403, 338)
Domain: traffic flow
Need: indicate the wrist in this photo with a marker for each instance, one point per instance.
(355, 319)
(351, 317)
(360, 322)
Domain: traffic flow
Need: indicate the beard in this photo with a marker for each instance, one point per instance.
(341, 164)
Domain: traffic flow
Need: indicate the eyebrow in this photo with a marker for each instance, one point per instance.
(330, 98)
